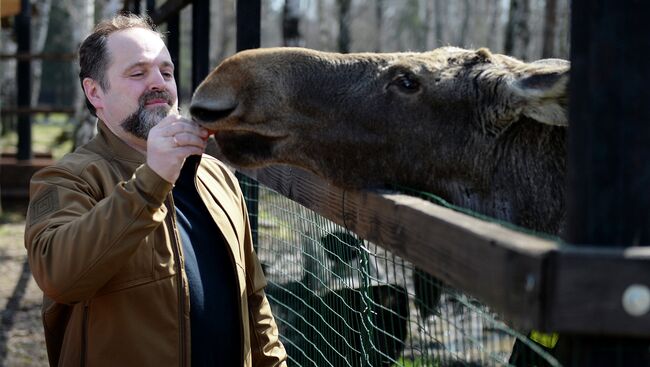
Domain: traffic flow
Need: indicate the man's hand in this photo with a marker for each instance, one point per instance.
(170, 142)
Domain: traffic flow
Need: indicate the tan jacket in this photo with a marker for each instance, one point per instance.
(103, 246)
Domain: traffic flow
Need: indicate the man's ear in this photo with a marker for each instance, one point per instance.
(94, 92)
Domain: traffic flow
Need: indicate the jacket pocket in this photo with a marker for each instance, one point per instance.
(55, 321)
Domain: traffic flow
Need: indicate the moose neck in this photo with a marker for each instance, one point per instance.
(508, 177)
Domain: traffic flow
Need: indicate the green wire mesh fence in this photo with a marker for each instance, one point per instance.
(342, 301)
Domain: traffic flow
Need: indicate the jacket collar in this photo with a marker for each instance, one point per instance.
(116, 147)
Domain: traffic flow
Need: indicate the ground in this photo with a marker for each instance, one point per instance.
(21, 333)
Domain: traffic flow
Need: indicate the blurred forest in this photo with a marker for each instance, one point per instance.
(526, 29)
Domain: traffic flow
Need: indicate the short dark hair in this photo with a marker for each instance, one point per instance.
(93, 54)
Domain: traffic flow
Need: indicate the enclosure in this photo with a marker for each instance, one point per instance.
(401, 278)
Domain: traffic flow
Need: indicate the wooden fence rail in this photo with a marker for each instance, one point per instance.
(532, 282)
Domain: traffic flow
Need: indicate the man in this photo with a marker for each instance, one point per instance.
(141, 246)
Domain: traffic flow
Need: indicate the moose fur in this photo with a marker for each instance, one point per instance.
(483, 131)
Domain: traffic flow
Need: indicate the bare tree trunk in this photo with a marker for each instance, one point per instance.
(291, 24)
(8, 81)
(323, 29)
(379, 16)
(109, 8)
(429, 24)
(491, 35)
(344, 26)
(440, 15)
(7, 85)
(549, 29)
(464, 28)
(517, 31)
(83, 16)
(40, 26)
(224, 26)
(421, 27)
(564, 29)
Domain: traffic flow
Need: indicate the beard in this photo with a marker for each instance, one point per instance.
(143, 120)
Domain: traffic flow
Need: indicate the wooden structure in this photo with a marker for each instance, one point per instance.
(18, 168)
(533, 282)
(580, 287)
(248, 36)
(593, 289)
(9, 8)
(24, 81)
(609, 175)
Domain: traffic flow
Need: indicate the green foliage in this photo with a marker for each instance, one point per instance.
(49, 135)
(417, 362)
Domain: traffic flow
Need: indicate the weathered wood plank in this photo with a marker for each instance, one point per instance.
(28, 110)
(589, 286)
(501, 267)
(26, 56)
(608, 178)
(532, 282)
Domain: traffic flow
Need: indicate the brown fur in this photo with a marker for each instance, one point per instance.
(482, 130)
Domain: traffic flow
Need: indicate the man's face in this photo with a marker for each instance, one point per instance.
(141, 88)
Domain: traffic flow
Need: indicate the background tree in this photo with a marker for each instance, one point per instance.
(223, 30)
(549, 29)
(291, 24)
(517, 30)
(379, 17)
(344, 26)
(528, 29)
(40, 26)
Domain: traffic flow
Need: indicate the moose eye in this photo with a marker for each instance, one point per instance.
(406, 83)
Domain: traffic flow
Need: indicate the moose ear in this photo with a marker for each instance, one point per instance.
(541, 91)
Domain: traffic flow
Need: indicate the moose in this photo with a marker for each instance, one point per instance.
(483, 131)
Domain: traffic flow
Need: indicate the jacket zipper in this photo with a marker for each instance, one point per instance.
(84, 335)
(181, 270)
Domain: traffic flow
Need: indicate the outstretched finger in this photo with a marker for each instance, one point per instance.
(179, 127)
(185, 139)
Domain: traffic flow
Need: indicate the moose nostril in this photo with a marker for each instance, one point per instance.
(209, 115)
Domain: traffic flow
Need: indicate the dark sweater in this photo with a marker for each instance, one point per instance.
(214, 309)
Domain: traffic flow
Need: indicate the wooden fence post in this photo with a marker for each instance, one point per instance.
(608, 201)
(24, 80)
(248, 37)
(200, 42)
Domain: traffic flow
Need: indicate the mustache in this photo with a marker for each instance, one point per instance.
(155, 94)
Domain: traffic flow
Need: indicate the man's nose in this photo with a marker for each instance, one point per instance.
(157, 81)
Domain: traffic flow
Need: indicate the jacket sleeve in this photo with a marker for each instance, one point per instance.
(266, 347)
(76, 239)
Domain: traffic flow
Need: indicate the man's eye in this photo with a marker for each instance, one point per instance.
(138, 74)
